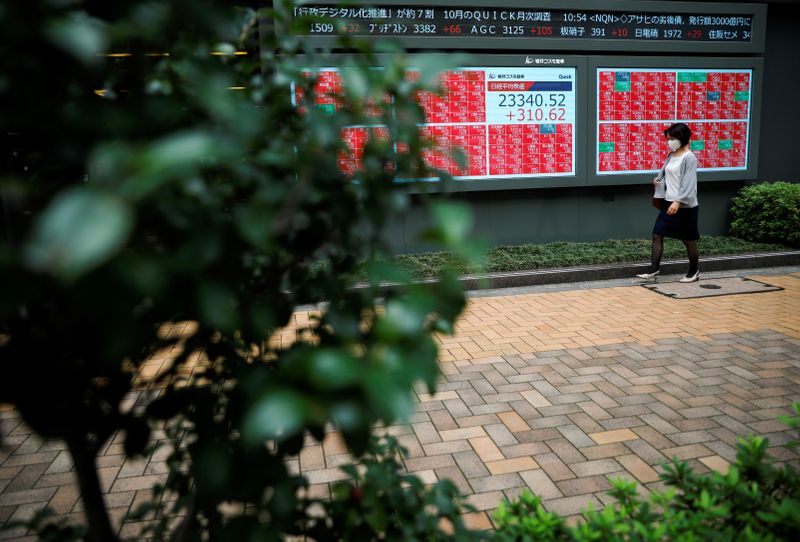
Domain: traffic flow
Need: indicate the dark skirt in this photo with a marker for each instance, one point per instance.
(682, 225)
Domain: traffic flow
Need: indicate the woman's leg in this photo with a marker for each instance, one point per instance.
(694, 257)
(657, 252)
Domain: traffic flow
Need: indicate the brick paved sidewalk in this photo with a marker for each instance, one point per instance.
(555, 392)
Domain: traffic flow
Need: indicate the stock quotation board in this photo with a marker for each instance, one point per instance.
(508, 122)
(636, 105)
(540, 24)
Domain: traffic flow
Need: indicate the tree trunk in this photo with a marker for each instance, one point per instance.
(92, 496)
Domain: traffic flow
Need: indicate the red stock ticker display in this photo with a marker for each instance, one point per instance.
(508, 122)
(635, 106)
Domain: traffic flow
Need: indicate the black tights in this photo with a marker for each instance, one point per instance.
(691, 250)
(658, 251)
(694, 256)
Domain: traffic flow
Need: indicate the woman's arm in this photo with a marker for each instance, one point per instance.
(687, 189)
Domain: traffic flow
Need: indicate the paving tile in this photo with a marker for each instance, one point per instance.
(426, 433)
(495, 482)
(518, 464)
(513, 421)
(313, 477)
(536, 399)
(133, 467)
(617, 435)
(584, 485)
(486, 449)
(461, 434)
(585, 422)
(442, 420)
(658, 423)
(716, 463)
(455, 475)
(485, 501)
(27, 477)
(691, 437)
(568, 381)
(593, 467)
(471, 465)
(691, 451)
(449, 447)
(477, 520)
(27, 496)
(540, 484)
(576, 436)
(638, 468)
(565, 450)
(555, 468)
(473, 421)
(333, 443)
(603, 451)
(64, 499)
(501, 436)
(566, 506)
(429, 462)
(30, 459)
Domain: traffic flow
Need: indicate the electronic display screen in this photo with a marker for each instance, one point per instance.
(508, 121)
(635, 106)
(538, 24)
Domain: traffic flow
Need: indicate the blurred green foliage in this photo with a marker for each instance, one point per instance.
(767, 212)
(159, 178)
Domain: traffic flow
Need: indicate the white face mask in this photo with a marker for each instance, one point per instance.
(674, 144)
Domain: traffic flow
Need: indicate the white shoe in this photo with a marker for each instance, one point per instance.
(693, 278)
(652, 275)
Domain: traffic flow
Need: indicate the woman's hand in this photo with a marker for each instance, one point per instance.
(655, 181)
(673, 208)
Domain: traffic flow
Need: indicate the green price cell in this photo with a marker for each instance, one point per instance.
(620, 86)
(697, 145)
(330, 109)
(725, 144)
(606, 146)
(692, 77)
(741, 96)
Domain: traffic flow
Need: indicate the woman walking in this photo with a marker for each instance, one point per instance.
(676, 183)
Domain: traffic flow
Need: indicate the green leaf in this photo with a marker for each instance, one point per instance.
(356, 83)
(453, 221)
(403, 318)
(218, 306)
(213, 468)
(330, 369)
(349, 415)
(390, 398)
(278, 415)
(80, 35)
(178, 154)
(78, 231)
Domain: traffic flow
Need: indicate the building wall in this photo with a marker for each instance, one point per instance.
(623, 212)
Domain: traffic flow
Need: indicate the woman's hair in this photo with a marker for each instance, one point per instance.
(679, 131)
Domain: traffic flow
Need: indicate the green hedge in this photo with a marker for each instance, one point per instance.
(768, 212)
(569, 254)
